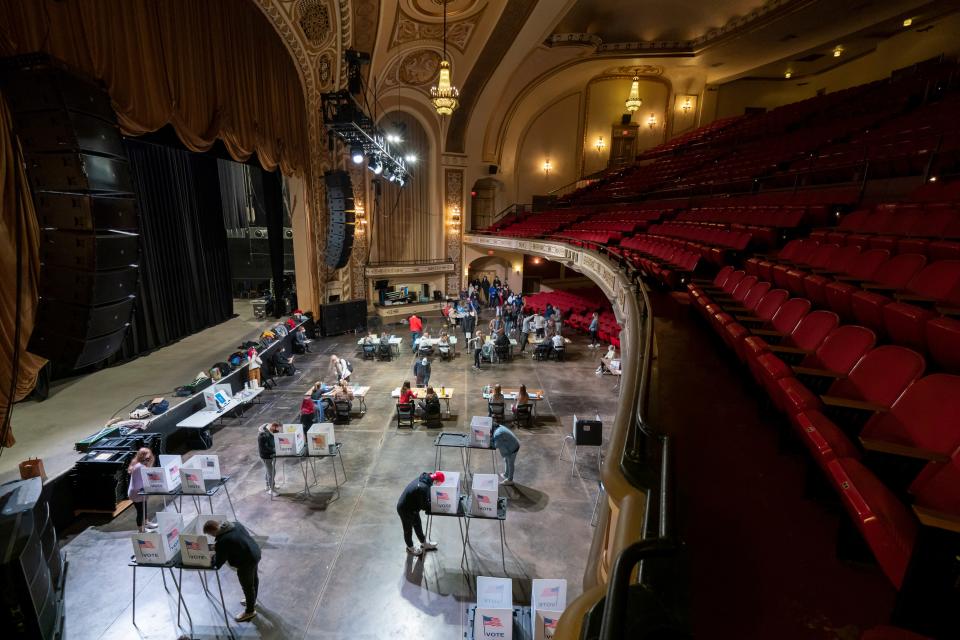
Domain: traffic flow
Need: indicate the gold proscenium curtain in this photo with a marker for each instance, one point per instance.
(213, 69)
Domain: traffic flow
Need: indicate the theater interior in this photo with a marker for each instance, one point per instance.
(686, 275)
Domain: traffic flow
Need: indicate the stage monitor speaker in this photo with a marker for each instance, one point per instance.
(341, 218)
(31, 565)
(340, 317)
(83, 195)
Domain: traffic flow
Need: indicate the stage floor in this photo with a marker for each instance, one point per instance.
(337, 568)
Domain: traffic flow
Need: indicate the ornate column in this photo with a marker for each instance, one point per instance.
(453, 226)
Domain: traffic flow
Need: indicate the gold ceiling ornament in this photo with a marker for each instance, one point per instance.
(445, 97)
(633, 101)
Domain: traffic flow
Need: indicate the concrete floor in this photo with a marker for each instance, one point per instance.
(336, 568)
(78, 407)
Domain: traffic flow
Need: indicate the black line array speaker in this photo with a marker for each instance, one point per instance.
(31, 564)
(340, 317)
(80, 181)
(341, 222)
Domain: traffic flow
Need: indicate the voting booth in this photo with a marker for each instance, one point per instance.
(445, 496)
(164, 478)
(481, 431)
(162, 545)
(216, 397)
(484, 494)
(289, 440)
(494, 615)
(320, 439)
(196, 547)
(547, 602)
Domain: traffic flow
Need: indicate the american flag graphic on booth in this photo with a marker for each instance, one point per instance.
(550, 592)
(484, 498)
(443, 495)
(193, 545)
(145, 544)
(492, 621)
(549, 623)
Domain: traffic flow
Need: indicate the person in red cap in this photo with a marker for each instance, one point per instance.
(414, 499)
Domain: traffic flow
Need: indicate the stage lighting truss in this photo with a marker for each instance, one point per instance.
(347, 120)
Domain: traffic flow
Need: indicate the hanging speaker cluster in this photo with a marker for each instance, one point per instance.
(79, 176)
(341, 223)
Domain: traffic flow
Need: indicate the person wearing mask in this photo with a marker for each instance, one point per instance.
(507, 445)
(341, 367)
(526, 328)
(477, 343)
(234, 545)
(594, 329)
(143, 459)
(268, 452)
(308, 413)
(253, 366)
(283, 362)
(407, 396)
(416, 327)
(421, 370)
(414, 499)
(301, 340)
(522, 398)
(343, 392)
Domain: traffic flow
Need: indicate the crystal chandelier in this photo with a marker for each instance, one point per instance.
(444, 96)
(634, 102)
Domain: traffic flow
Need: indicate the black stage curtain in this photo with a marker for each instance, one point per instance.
(184, 264)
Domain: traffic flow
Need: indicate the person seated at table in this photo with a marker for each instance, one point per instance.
(407, 396)
(496, 396)
(283, 363)
(502, 339)
(385, 339)
(557, 341)
(371, 338)
(308, 412)
(430, 398)
(522, 398)
(611, 358)
(488, 348)
(421, 369)
(424, 348)
(544, 345)
(444, 344)
(300, 340)
(343, 392)
(341, 367)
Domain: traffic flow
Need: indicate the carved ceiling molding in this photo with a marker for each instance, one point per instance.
(416, 69)
(769, 10)
(636, 70)
(407, 28)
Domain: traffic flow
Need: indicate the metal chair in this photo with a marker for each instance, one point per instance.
(502, 352)
(432, 414)
(558, 353)
(342, 408)
(369, 351)
(385, 352)
(496, 411)
(524, 416)
(405, 414)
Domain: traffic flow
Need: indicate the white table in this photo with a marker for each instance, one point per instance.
(435, 342)
(536, 395)
(419, 393)
(360, 393)
(395, 342)
(206, 417)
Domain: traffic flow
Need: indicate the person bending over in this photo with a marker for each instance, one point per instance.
(414, 499)
(507, 445)
(235, 546)
(341, 367)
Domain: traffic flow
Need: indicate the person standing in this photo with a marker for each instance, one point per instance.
(526, 328)
(234, 545)
(422, 372)
(341, 368)
(416, 327)
(414, 499)
(477, 343)
(268, 452)
(594, 328)
(539, 325)
(308, 413)
(253, 366)
(143, 459)
(507, 445)
(469, 323)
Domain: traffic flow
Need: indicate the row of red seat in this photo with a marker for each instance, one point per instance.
(581, 304)
(583, 238)
(819, 372)
(669, 261)
(901, 297)
(900, 228)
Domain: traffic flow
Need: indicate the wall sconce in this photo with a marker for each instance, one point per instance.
(600, 144)
(788, 75)
(837, 51)
(516, 269)
(547, 167)
(652, 121)
(454, 215)
(687, 105)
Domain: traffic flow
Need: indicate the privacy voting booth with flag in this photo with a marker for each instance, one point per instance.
(196, 548)
(494, 615)
(162, 545)
(445, 496)
(548, 600)
(320, 439)
(289, 440)
(481, 431)
(484, 494)
(164, 478)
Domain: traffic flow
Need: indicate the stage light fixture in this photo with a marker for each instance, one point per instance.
(410, 157)
(375, 165)
(357, 154)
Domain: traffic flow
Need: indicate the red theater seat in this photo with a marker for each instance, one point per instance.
(943, 342)
(936, 489)
(809, 333)
(892, 275)
(732, 329)
(906, 318)
(838, 293)
(885, 523)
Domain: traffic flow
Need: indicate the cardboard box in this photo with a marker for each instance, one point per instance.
(494, 614)
(196, 547)
(162, 545)
(484, 494)
(321, 440)
(481, 431)
(548, 599)
(164, 478)
(289, 440)
(445, 497)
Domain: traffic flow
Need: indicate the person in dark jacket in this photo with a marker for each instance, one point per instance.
(421, 369)
(268, 449)
(283, 363)
(233, 545)
(414, 499)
